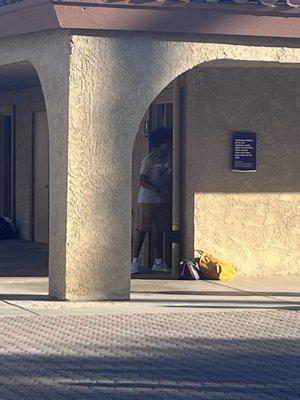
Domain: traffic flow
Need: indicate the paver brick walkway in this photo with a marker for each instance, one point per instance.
(245, 355)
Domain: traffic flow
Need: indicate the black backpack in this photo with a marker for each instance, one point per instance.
(189, 270)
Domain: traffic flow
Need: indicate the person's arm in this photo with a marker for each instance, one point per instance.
(144, 173)
(145, 183)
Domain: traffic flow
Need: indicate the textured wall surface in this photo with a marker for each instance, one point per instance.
(49, 53)
(103, 95)
(23, 101)
(252, 219)
(113, 80)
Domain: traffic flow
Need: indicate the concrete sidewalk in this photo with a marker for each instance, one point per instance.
(249, 355)
(28, 295)
(24, 290)
(175, 340)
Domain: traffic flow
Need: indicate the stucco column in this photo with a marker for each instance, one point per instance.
(111, 87)
(54, 76)
(49, 54)
(109, 93)
(99, 198)
(99, 179)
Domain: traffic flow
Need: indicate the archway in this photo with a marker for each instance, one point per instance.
(236, 215)
(24, 194)
(106, 104)
(159, 115)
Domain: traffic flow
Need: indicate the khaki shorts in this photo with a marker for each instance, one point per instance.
(155, 215)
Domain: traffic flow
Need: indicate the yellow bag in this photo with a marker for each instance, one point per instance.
(215, 268)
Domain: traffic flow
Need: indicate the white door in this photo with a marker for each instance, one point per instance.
(40, 178)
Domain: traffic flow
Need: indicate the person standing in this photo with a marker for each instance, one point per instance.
(154, 199)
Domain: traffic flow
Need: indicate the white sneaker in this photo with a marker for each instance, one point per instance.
(135, 267)
(161, 267)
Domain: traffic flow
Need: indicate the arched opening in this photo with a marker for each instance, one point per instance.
(24, 189)
(159, 114)
(234, 214)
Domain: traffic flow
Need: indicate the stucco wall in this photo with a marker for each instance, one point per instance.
(252, 219)
(96, 91)
(49, 53)
(113, 80)
(24, 101)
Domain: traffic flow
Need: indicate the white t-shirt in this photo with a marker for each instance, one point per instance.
(159, 173)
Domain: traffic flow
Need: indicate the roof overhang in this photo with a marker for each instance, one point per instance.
(150, 16)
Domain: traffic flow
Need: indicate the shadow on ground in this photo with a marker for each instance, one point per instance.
(23, 259)
(172, 368)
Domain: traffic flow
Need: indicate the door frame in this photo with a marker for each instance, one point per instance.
(162, 101)
(174, 93)
(35, 107)
(158, 109)
(9, 110)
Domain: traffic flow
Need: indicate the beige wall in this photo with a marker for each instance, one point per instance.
(252, 219)
(49, 54)
(113, 80)
(96, 91)
(24, 102)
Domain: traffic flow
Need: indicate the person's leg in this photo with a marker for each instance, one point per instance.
(158, 244)
(143, 226)
(158, 264)
(138, 243)
(161, 226)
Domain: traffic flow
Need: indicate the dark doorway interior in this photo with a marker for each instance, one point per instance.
(40, 176)
(160, 114)
(23, 259)
(23, 194)
(6, 165)
(20, 258)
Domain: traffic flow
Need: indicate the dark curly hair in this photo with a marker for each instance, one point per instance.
(160, 136)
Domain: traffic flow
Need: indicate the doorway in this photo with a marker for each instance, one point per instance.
(7, 162)
(19, 257)
(159, 114)
(40, 176)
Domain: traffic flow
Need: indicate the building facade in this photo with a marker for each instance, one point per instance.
(95, 69)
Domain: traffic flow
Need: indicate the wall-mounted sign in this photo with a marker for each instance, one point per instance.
(244, 151)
